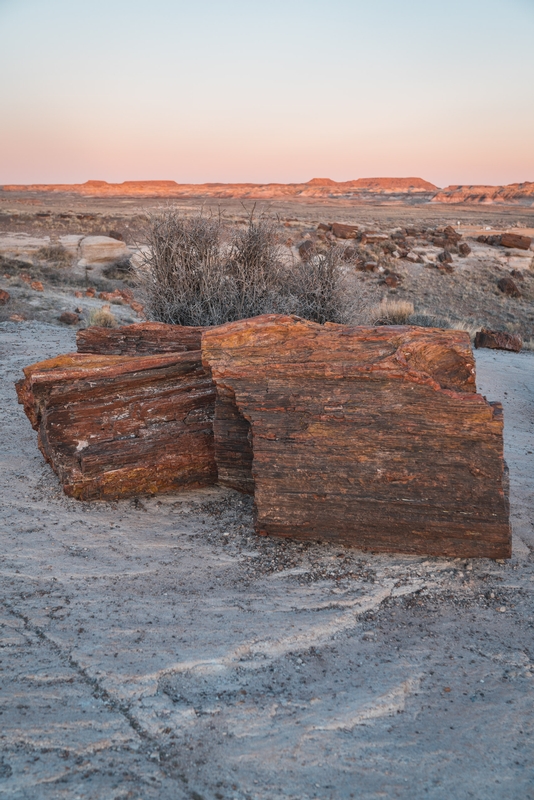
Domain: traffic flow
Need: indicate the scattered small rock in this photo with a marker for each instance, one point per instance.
(17, 318)
(464, 249)
(371, 237)
(4, 297)
(508, 287)
(342, 231)
(37, 286)
(452, 234)
(69, 318)
(306, 249)
(515, 273)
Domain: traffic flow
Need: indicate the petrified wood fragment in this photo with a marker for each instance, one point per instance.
(373, 437)
(141, 339)
(233, 449)
(498, 340)
(516, 240)
(115, 426)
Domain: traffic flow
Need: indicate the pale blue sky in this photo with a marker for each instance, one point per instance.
(266, 91)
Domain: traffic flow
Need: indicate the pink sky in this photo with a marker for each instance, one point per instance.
(237, 91)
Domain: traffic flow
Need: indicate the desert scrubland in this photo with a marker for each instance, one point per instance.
(156, 647)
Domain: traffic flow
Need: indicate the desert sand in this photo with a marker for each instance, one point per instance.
(157, 648)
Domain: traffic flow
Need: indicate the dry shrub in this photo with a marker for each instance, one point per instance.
(55, 254)
(102, 318)
(392, 312)
(198, 272)
(320, 289)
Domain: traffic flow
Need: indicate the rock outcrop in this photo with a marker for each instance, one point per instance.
(513, 193)
(317, 187)
(115, 426)
(95, 250)
(372, 437)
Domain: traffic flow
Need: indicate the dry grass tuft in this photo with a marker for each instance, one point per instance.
(55, 254)
(392, 312)
(102, 318)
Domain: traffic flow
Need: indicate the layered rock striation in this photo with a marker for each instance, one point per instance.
(116, 426)
(373, 437)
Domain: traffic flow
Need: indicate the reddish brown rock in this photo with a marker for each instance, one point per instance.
(69, 318)
(451, 234)
(37, 286)
(372, 437)
(391, 279)
(143, 338)
(306, 249)
(342, 231)
(113, 426)
(509, 287)
(137, 307)
(233, 450)
(498, 340)
(464, 249)
(515, 240)
(371, 237)
(4, 297)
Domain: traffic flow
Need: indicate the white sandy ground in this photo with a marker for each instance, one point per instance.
(159, 649)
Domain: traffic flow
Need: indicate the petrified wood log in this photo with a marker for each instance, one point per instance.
(233, 449)
(115, 426)
(498, 340)
(373, 437)
(144, 338)
(516, 240)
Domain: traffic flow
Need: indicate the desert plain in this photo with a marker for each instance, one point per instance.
(156, 647)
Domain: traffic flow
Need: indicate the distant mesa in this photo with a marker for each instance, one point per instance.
(395, 184)
(361, 190)
(513, 193)
(322, 182)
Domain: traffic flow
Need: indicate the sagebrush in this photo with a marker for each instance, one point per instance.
(200, 271)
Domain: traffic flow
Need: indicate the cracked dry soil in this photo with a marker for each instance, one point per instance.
(157, 648)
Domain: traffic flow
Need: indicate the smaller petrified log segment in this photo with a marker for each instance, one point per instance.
(144, 338)
(233, 449)
(373, 437)
(516, 240)
(498, 340)
(115, 426)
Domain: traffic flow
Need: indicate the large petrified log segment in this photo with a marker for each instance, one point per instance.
(233, 449)
(143, 338)
(372, 437)
(115, 426)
